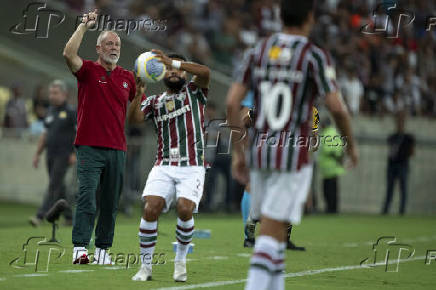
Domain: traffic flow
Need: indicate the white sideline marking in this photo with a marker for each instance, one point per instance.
(114, 268)
(75, 271)
(289, 275)
(218, 258)
(31, 275)
(244, 255)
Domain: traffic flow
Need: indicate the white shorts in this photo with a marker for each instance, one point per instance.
(173, 182)
(279, 195)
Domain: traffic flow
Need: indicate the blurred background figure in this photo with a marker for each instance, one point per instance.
(352, 90)
(218, 159)
(16, 113)
(132, 178)
(40, 104)
(57, 138)
(401, 148)
(330, 159)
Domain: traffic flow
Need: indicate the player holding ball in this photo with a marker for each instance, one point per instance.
(178, 172)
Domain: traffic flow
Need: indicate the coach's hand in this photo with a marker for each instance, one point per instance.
(162, 57)
(90, 19)
(239, 166)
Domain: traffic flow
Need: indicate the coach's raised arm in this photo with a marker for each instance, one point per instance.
(72, 47)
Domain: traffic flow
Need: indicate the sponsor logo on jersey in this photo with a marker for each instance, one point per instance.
(170, 105)
(174, 114)
(125, 85)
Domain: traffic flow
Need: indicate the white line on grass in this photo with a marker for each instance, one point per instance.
(31, 275)
(75, 271)
(289, 275)
(2, 279)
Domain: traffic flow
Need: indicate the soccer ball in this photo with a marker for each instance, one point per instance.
(149, 68)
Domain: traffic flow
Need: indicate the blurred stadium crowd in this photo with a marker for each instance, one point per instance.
(376, 74)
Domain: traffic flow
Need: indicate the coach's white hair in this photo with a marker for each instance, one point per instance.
(60, 84)
(103, 35)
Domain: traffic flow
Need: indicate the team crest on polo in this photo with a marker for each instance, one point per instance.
(125, 85)
(170, 105)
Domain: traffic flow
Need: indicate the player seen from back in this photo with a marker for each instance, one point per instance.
(286, 72)
(247, 114)
(178, 173)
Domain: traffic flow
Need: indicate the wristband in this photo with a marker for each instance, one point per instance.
(176, 64)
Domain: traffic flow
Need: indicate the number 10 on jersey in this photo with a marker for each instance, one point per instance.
(271, 112)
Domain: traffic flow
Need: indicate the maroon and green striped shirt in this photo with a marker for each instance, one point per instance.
(179, 122)
(286, 73)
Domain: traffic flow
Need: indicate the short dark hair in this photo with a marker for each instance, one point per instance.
(295, 12)
(177, 56)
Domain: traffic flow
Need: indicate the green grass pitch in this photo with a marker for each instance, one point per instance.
(333, 243)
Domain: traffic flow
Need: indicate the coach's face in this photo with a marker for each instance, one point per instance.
(109, 48)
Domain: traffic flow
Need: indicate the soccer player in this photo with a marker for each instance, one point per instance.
(286, 72)
(178, 173)
(249, 223)
(104, 90)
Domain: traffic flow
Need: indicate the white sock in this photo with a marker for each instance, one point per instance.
(78, 252)
(184, 232)
(263, 263)
(147, 241)
(278, 279)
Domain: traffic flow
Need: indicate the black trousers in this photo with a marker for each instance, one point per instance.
(100, 173)
(57, 166)
(330, 187)
(396, 172)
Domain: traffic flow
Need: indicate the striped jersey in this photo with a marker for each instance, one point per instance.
(179, 123)
(286, 74)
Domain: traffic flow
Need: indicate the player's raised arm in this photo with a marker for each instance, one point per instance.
(135, 115)
(72, 47)
(201, 72)
(342, 119)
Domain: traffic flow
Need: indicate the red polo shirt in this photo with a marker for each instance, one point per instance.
(102, 105)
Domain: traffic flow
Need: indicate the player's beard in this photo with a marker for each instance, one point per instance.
(175, 85)
(107, 58)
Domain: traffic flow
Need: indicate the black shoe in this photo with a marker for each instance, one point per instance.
(249, 243)
(293, 247)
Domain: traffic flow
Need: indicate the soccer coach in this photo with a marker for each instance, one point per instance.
(104, 90)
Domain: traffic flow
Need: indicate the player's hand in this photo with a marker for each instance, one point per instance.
(353, 154)
(90, 19)
(35, 161)
(140, 87)
(239, 166)
(162, 57)
(72, 159)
